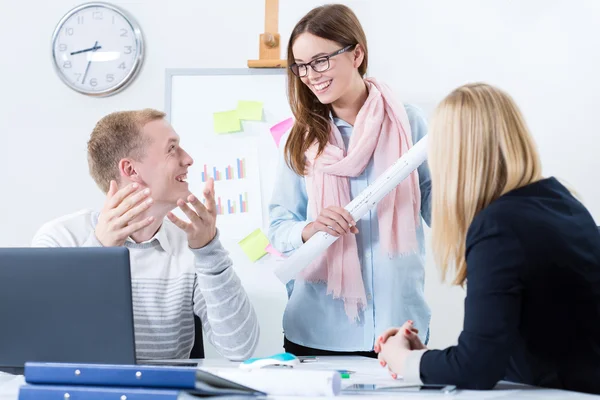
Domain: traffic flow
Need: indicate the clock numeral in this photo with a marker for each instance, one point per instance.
(78, 77)
(93, 82)
(67, 64)
(123, 32)
(97, 15)
(80, 19)
(122, 66)
(62, 47)
(69, 31)
(110, 78)
(128, 49)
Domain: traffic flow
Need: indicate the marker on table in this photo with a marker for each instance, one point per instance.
(345, 373)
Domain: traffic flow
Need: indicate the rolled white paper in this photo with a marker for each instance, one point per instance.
(284, 382)
(289, 268)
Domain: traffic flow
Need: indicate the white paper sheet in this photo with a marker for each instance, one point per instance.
(284, 382)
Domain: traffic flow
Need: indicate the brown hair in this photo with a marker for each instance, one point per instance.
(116, 136)
(335, 22)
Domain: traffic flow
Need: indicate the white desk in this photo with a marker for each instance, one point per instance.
(367, 371)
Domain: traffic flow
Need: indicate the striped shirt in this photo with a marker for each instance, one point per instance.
(171, 282)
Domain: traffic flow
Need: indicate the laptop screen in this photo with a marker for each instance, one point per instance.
(65, 305)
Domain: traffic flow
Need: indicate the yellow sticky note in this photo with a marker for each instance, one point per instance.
(227, 122)
(250, 110)
(254, 245)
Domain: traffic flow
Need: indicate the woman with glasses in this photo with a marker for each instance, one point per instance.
(348, 129)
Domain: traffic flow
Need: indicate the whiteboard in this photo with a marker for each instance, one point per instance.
(192, 96)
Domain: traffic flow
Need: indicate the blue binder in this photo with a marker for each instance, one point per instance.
(111, 375)
(85, 376)
(57, 392)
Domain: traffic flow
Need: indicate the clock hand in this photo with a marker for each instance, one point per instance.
(86, 50)
(88, 64)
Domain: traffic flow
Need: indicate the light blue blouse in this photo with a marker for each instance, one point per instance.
(394, 286)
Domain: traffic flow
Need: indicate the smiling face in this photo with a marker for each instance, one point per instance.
(165, 164)
(324, 30)
(332, 84)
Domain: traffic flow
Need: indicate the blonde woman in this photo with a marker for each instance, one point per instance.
(527, 251)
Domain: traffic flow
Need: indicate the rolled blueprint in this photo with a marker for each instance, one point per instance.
(289, 268)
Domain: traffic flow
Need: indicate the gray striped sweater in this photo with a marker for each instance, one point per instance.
(170, 282)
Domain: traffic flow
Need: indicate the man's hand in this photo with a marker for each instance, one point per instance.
(202, 228)
(120, 208)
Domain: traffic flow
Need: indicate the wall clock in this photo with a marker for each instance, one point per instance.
(97, 49)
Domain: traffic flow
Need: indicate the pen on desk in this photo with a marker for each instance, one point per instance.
(306, 359)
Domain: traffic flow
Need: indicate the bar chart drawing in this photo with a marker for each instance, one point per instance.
(230, 172)
(228, 206)
(233, 164)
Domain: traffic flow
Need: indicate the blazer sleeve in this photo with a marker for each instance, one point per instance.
(494, 258)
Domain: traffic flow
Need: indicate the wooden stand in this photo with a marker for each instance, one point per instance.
(269, 52)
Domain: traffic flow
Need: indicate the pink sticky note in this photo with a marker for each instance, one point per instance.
(280, 128)
(272, 250)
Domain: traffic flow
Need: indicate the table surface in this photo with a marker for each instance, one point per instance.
(366, 371)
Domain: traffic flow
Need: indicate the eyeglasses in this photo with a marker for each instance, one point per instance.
(320, 64)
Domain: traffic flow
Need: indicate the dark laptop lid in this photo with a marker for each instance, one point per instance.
(65, 305)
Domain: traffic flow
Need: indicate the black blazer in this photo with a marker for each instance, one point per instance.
(532, 310)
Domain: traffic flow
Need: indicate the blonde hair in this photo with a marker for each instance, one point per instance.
(480, 149)
(117, 136)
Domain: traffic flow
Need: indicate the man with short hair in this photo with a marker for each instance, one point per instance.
(178, 268)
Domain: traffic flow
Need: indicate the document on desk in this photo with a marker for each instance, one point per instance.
(365, 370)
(397, 387)
(283, 381)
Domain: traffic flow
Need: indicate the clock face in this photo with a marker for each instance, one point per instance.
(97, 49)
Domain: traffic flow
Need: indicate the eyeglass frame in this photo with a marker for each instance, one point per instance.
(326, 57)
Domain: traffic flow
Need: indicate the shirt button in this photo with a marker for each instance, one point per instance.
(369, 297)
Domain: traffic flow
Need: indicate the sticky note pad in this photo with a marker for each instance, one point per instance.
(254, 245)
(272, 250)
(250, 110)
(279, 129)
(226, 122)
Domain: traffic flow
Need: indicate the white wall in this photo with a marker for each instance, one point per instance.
(544, 52)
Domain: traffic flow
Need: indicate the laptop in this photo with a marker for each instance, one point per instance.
(65, 305)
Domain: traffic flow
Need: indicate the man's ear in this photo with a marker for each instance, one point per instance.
(128, 170)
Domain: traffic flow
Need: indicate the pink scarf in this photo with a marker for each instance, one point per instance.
(381, 131)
